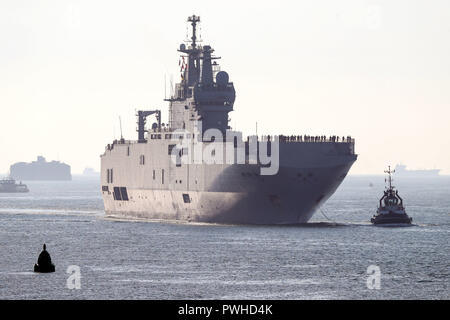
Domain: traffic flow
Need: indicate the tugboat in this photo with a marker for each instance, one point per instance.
(391, 210)
(9, 185)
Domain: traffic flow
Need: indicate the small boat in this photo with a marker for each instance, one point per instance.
(9, 185)
(391, 210)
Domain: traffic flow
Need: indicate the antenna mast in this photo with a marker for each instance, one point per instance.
(193, 20)
(120, 123)
(389, 171)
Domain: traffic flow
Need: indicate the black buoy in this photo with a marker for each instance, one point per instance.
(44, 263)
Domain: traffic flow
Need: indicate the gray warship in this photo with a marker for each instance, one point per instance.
(159, 177)
(9, 185)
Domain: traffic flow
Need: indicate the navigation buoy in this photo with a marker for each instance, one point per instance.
(44, 263)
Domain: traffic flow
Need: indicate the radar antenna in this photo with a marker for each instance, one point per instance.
(193, 20)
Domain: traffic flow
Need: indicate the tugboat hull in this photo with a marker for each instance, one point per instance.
(391, 219)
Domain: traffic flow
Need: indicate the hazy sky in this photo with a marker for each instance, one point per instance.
(376, 70)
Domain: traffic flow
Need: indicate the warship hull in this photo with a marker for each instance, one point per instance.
(230, 194)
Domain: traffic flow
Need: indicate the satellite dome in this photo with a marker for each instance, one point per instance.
(222, 78)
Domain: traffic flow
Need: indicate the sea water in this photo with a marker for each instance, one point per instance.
(332, 257)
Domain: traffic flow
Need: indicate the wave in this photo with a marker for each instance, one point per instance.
(43, 211)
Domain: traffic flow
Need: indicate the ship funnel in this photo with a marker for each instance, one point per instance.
(207, 73)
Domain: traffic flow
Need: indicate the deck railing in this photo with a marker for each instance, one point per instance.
(306, 138)
(264, 138)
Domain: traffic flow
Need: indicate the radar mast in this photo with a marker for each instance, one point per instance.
(193, 20)
(389, 172)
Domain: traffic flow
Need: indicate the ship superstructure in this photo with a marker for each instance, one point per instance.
(197, 168)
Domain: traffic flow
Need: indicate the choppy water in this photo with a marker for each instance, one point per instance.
(147, 260)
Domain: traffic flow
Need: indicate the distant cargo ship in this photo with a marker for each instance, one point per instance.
(90, 172)
(41, 170)
(401, 170)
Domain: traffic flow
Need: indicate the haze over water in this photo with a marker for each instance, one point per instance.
(148, 260)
